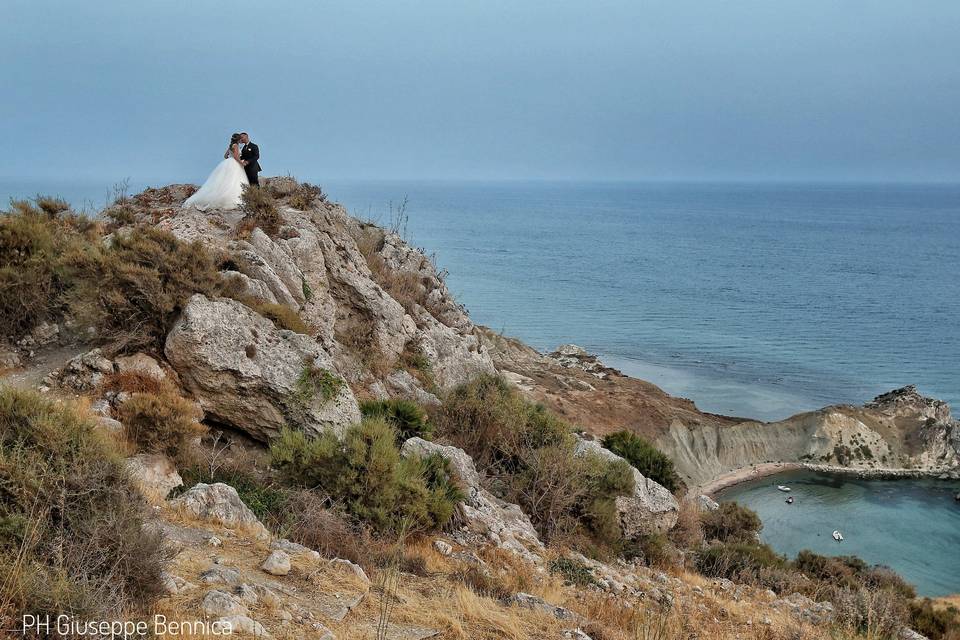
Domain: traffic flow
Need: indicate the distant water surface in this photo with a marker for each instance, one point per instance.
(913, 526)
(755, 300)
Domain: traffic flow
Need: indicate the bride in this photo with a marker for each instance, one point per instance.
(223, 188)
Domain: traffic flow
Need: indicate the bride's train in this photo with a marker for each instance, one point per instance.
(223, 188)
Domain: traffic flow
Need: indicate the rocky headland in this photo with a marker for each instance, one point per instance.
(316, 313)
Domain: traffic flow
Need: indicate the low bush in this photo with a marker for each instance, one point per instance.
(135, 288)
(161, 423)
(365, 474)
(871, 613)
(528, 455)
(305, 195)
(936, 623)
(572, 571)
(731, 523)
(37, 271)
(260, 209)
(739, 561)
(646, 458)
(73, 539)
(316, 381)
(309, 520)
(495, 425)
(688, 532)
(406, 416)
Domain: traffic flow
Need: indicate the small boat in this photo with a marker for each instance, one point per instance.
(838, 536)
(790, 500)
(783, 488)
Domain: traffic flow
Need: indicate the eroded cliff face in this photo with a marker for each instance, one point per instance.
(898, 430)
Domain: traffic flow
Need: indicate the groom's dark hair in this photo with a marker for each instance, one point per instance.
(244, 133)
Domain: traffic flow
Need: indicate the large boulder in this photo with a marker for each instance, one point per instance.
(153, 475)
(500, 522)
(219, 503)
(248, 374)
(651, 508)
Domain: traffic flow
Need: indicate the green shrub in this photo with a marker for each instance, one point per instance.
(495, 425)
(365, 474)
(573, 572)
(73, 538)
(136, 287)
(738, 561)
(160, 423)
(646, 458)
(316, 381)
(406, 416)
(731, 523)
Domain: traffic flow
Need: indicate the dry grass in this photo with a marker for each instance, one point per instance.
(260, 209)
(161, 423)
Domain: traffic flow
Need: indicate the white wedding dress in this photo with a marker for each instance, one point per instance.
(223, 188)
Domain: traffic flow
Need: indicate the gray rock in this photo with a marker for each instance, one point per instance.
(443, 548)
(221, 504)
(407, 386)
(461, 464)
(248, 374)
(502, 523)
(219, 603)
(350, 567)
(536, 603)
(245, 626)
(140, 363)
(651, 508)
(108, 426)
(706, 503)
(220, 575)
(152, 474)
(277, 563)
(295, 550)
(575, 634)
(9, 358)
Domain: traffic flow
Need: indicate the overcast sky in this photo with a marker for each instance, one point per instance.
(450, 89)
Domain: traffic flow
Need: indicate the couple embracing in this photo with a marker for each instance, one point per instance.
(239, 169)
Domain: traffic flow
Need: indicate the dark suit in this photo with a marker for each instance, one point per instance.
(251, 153)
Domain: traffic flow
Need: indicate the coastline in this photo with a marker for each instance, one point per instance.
(755, 472)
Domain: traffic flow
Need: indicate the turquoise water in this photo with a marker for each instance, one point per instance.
(913, 526)
(756, 300)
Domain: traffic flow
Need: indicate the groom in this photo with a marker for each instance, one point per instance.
(250, 159)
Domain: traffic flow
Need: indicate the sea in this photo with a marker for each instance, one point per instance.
(912, 526)
(757, 300)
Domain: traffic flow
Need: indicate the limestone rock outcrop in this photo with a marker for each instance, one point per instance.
(219, 503)
(651, 508)
(248, 374)
(499, 522)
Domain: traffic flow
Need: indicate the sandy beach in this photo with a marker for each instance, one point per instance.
(745, 474)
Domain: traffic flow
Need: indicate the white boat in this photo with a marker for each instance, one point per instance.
(783, 488)
(838, 536)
